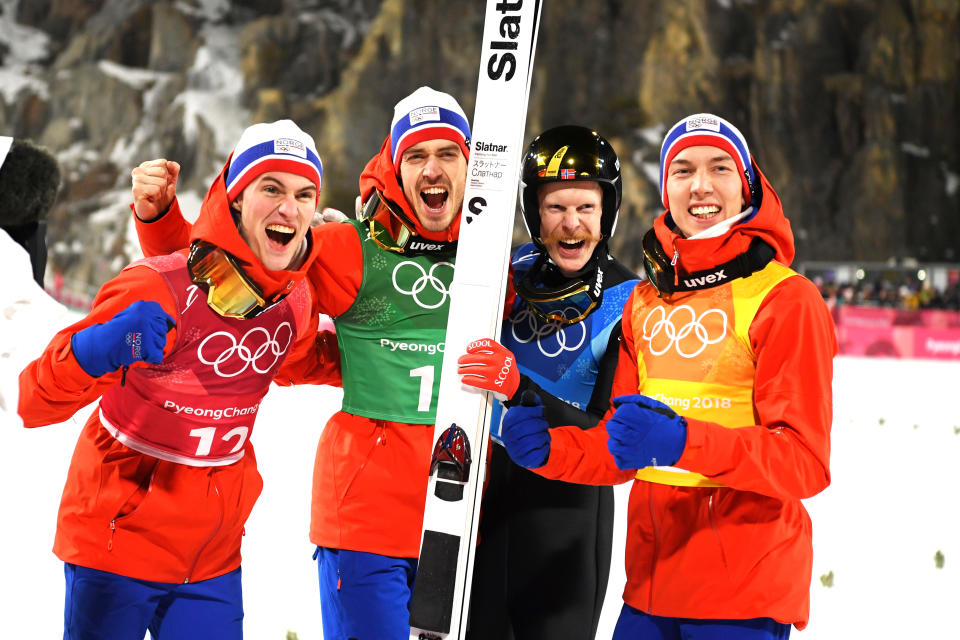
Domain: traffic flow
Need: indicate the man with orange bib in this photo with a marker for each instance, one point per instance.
(720, 409)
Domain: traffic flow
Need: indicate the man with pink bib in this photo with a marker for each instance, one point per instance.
(181, 349)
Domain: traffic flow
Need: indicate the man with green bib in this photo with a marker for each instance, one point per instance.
(385, 279)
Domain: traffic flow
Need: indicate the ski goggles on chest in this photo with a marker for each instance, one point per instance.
(656, 264)
(229, 291)
(379, 233)
(666, 279)
(386, 240)
(404, 238)
(566, 304)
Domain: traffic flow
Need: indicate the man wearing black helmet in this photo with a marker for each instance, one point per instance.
(544, 556)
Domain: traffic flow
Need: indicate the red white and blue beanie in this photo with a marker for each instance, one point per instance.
(427, 114)
(708, 130)
(273, 146)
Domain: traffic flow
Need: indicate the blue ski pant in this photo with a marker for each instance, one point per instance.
(634, 624)
(106, 606)
(364, 596)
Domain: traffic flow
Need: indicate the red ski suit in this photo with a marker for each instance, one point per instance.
(133, 514)
(752, 376)
(370, 476)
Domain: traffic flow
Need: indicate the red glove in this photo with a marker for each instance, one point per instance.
(489, 365)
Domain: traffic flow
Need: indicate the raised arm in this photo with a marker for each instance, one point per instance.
(160, 225)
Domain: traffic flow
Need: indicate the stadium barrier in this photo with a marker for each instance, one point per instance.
(898, 333)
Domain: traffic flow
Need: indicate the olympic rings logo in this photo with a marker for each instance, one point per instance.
(666, 325)
(551, 331)
(248, 354)
(423, 280)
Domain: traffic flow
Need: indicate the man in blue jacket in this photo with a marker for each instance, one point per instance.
(548, 543)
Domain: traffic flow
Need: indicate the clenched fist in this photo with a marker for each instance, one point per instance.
(154, 187)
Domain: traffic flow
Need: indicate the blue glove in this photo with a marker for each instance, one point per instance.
(139, 332)
(525, 432)
(645, 433)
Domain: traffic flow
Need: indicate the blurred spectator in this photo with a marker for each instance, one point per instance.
(29, 182)
(907, 294)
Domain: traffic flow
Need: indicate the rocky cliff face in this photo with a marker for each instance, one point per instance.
(849, 105)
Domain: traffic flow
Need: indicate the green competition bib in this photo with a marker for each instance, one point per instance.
(391, 338)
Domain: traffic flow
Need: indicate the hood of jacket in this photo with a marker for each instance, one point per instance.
(215, 225)
(381, 175)
(768, 223)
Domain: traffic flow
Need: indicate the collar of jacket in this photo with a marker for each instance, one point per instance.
(769, 224)
(381, 175)
(215, 225)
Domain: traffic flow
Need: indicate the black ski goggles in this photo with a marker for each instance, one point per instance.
(565, 305)
(656, 264)
(229, 291)
(666, 279)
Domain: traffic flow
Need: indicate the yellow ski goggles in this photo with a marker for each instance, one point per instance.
(229, 291)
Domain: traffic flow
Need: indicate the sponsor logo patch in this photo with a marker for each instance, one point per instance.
(424, 114)
(290, 146)
(703, 122)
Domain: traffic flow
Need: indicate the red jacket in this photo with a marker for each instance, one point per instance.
(129, 513)
(739, 545)
(370, 476)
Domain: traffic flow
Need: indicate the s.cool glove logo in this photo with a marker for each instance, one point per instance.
(426, 289)
(551, 337)
(257, 349)
(689, 339)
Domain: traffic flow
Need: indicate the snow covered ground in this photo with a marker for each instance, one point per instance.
(891, 511)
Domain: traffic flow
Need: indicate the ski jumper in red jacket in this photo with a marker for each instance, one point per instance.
(373, 457)
(748, 363)
(164, 474)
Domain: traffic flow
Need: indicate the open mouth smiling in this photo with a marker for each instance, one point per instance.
(280, 233)
(571, 245)
(704, 212)
(434, 197)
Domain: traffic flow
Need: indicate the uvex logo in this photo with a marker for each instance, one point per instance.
(425, 246)
(716, 276)
(599, 283)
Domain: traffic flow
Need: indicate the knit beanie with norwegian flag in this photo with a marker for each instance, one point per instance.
(707, 129)
(273, 146)
(427, 114)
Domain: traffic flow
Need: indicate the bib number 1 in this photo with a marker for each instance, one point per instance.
(426, 386)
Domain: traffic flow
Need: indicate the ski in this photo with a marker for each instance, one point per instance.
(441, 595)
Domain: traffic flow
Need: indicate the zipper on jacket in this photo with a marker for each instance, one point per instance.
(123, 376)
(656, 545)
(713, 525)
(216, 530)
(381, 439)
(673, 263)
(145, 492)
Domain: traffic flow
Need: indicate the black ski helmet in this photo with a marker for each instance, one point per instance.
(570, 152)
